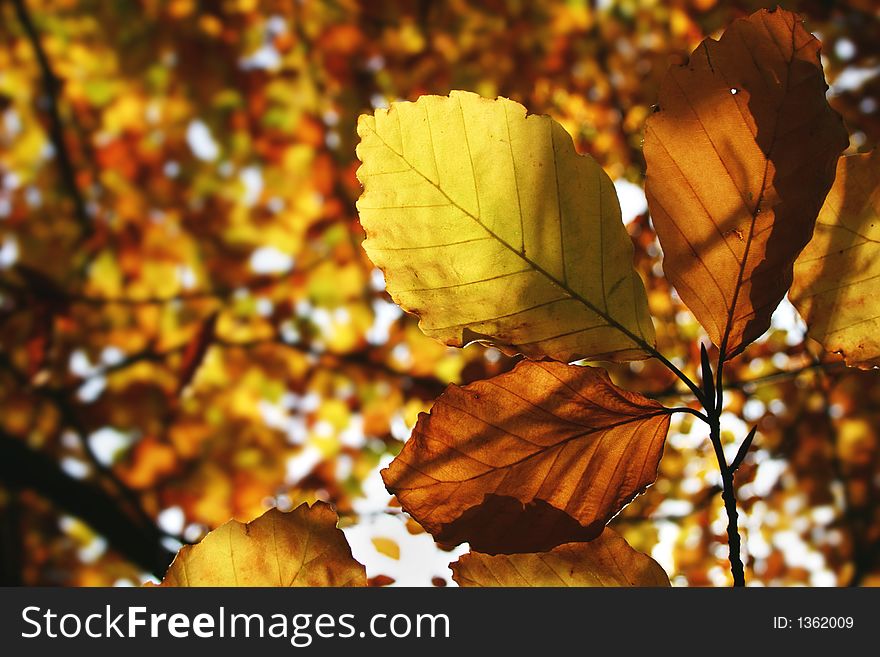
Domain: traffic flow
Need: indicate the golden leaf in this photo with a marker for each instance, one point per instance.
(489, 226)
(386, 546)
(606, 561)
(300, 548)
(835, 278)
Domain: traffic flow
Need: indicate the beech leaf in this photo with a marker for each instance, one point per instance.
(835, 281)
(302, 547)
(740, 156)
(606, 561)
(539, 456)
(490, 227)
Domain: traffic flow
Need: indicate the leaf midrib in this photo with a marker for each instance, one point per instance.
(732, 310)
(638, 340)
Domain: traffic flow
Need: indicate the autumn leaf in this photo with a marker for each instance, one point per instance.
(300, 548)
(386, 546)
(542, 455)
(489, 226)
(740, 154)
(835, 278)
(606, 561)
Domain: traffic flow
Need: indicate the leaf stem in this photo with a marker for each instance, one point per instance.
(691, 411)
(695, 389)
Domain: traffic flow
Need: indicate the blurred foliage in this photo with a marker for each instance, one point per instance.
(189, 326)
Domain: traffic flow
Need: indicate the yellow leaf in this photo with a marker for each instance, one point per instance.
(606, 561)
(835, 278)
(387, 547)
(490, 227)
(300, 548)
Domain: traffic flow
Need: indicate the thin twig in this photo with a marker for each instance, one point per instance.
(52, 87)
(691, 411)
(822, 366)
(672, 392)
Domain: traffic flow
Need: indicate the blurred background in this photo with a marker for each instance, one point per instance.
(190, 331)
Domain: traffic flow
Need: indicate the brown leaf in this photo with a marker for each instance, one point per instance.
(542, 455)
(607, 561)
(740, 155)
(300, 548)
(380, 580)
(835, 278)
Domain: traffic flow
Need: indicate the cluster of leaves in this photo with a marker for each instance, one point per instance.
(190, 329)
(490, 227)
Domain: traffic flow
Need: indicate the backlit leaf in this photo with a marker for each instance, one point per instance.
(606, 561)
(300, 548)
(489, 226)
(740, 155)
(542, 455)
(835, 279)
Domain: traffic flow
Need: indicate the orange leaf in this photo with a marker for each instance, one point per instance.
(542, 455)
(740, 155)
(606, 561)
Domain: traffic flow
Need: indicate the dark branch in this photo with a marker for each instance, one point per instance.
(24, 468)
(728, 494)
